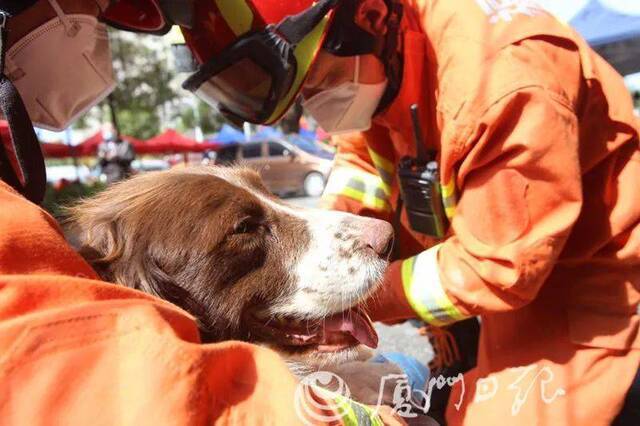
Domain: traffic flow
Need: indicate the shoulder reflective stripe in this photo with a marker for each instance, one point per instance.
(384, 166)
(382, 162)
(449, 197)
(363, 187)
(353, 190)
(355, 414)
(424, 291)
(237, 14)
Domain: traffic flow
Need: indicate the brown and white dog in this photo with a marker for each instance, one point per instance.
(248, 266)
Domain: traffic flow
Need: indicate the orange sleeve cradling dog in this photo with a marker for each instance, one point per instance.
(82, 351)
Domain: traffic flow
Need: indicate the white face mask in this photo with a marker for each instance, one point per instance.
(347, 107)
(61, 69)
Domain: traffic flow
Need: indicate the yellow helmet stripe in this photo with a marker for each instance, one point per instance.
(304, 52)
(237, 14)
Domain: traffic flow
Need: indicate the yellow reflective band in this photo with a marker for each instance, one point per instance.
(415, 301)
(360, 186)
(381, 162)
(355, 414)
(304, 52)
(424, 291)
(365, 198)
(237, 14)
(449, 197)
(385, 170)
(449, 190)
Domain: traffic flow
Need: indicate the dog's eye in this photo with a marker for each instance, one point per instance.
(247, 226)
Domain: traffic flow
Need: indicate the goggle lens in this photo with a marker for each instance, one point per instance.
(243, 89)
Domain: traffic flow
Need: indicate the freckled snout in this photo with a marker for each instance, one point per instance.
(377, 234)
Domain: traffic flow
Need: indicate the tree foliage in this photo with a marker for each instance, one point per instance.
(144, 85)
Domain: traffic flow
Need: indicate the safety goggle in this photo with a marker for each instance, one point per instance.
(258, 77)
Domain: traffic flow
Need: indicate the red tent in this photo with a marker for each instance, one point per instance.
(168, 141)
(89, 146)
(56, 150)
(51, 150)
(172, 141)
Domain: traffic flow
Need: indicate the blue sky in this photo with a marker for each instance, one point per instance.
(567, 9)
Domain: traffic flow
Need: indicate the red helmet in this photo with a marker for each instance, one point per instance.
(224, 21)
(144, 16)
(131, 15)
(254, 55)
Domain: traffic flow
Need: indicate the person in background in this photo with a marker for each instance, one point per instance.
(115, 155)
(507, 154)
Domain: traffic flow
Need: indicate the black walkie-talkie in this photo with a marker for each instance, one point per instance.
(420, 186)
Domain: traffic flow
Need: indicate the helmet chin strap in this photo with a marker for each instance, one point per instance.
(30, 180)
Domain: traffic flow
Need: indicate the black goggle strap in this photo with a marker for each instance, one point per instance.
(295, 27)
(23, 138)
(346, 38)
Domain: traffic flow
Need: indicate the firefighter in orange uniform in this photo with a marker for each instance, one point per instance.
(537, 225)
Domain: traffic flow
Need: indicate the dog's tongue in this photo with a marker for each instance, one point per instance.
(355, 322)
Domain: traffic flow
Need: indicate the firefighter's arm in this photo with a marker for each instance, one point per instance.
(355, 184)
(520, 196)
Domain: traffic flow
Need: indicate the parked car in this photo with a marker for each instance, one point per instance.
(311, 146)
(285, 168)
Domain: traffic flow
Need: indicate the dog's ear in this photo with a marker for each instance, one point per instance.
(106, 230)
(94, 232)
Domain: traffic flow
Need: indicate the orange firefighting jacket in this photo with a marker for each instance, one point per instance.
(540, 167)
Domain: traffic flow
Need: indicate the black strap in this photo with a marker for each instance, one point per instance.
(391, 55)
(25, 146)
(23, 139)
(14, 7)
(294, 28)
(346, 38)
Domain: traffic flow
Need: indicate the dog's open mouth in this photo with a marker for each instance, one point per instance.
(330, 334)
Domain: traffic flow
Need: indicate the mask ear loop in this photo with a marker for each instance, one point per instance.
(70, 28)
(356, 74)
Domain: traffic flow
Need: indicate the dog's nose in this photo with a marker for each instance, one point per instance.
(378, 235)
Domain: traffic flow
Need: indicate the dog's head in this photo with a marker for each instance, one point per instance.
(246, 265)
